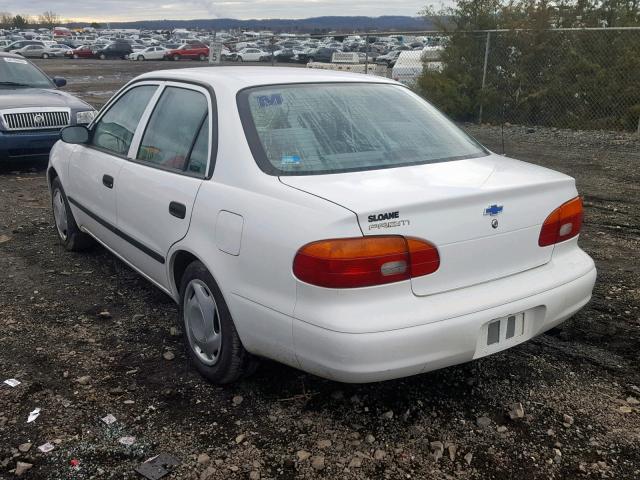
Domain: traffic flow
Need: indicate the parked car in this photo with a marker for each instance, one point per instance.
(84, 51)
(20, 44)
(117, 49)
(252, 55)
(348, 228)
(33, 110)
(30, 51)
(389, 59)
(189, 51)
(321, 54)
(55, 51)
(285, 55)
(149, 53)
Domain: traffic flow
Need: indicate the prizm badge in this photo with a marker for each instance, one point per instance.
(493, 210)
(386, 220)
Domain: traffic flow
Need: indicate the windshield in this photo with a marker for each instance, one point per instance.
(329, 128)
(17, 71)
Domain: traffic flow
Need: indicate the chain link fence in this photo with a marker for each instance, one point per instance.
(580, 79)
(565, 78)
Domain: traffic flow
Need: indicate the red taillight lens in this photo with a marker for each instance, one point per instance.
(563, 223)
(364, 261)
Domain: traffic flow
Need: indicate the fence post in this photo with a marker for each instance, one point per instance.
(366, 55)
(484, 72)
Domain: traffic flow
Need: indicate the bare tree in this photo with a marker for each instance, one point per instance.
(6, 20)
(49, 19)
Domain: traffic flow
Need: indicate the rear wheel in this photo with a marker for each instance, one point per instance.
(45, 55)
(68, 232)
(239, 59)
(76, 56)
(103, 56)
(176, 58)
(212, 342)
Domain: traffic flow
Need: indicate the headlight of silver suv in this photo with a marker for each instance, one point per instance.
(84, 118)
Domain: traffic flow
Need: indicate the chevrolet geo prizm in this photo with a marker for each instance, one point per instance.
(248, 196)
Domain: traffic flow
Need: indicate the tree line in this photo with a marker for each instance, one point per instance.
(537, 74)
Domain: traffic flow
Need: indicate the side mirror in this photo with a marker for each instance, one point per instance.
(59, 81)
(75, 134)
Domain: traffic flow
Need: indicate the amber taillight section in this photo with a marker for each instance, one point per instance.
(563, 223)
(364, 261)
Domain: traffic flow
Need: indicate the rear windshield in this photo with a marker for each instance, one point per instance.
(311, 129)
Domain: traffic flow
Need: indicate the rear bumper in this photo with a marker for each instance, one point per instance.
(27, 144)
(447, 340)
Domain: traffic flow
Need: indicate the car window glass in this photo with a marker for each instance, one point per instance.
(114, 131)
(200, 153)
(330, 128)
(172, 128)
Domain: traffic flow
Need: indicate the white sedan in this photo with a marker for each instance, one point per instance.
(252, 55)
(149, 53)
(334, 222)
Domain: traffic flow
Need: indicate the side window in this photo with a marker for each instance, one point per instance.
(172, 128)
(114, 131)
(200, 152)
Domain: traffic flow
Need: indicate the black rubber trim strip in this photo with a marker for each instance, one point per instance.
(156, 256)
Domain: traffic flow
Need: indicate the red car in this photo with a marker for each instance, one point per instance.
(81, 52)
(194, 51)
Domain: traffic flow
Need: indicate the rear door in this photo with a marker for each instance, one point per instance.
(159, 184)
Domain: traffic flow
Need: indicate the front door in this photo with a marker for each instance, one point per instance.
(94, 167)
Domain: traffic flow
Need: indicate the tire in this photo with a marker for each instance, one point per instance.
(176, 58)
(140, 58)
(227, 361)
(239, 59)
(76, 56)
(202, 57)
(70, 236)
(45, 55)
(103, 56)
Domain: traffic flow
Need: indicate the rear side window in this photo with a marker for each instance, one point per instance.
(173, 129)
(114, 131)
(310, 129)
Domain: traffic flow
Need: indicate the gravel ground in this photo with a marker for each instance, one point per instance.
(88, 337)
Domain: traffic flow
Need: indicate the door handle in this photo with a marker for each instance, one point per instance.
(178, 210)
(107, 181)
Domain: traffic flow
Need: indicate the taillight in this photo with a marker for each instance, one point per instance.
(563, 223)
(364, 261)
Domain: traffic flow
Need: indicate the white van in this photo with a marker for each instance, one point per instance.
(411, 64)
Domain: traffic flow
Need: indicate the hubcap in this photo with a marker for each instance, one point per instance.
(60, 214)
(202, 322)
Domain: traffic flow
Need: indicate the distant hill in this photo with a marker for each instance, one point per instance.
(305, 25)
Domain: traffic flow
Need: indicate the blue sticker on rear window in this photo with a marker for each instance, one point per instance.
(290, 160)
(270, 100)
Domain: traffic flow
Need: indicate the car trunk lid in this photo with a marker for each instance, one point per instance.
(484, 215)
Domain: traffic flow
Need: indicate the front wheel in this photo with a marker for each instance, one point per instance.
(103, 56)
(69, 234)
(211, 338)
(239, 59)
(140, 58)
(45, 55)
(176, 58)
(76, 56)
(202, 57)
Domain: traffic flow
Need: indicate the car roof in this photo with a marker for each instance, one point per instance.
(239, 78)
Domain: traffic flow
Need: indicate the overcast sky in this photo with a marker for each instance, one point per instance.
(120, 10)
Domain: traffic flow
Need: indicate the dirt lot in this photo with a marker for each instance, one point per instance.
(579, 387)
